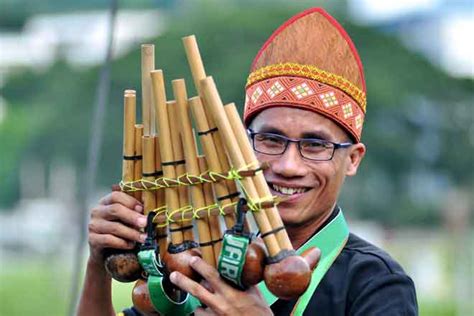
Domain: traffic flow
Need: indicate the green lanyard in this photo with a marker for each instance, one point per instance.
(330, 240)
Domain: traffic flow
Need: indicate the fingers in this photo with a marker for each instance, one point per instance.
(207, 272)
(192, 287)
(207, 286)
(117, 229)
(122, 198)
(119, 212)
(101, 241)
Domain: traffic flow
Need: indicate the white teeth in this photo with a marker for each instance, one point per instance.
(288, 191)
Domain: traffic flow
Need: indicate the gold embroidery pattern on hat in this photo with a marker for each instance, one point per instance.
(311, 72)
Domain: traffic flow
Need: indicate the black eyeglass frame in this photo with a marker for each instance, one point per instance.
(288, 140)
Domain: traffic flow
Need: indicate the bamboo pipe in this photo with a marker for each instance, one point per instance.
(224, 161)
(173, 261)
(147, 65)
(123, 265)
(180, 166)
(213, 219)
(216, 107)
(166, 149)
(194, 59)
(129, 119)
(199, 73)
(137, 167)
(161, 231)
(211, 153)
(192, 167)
(149, 197)
(259, 179)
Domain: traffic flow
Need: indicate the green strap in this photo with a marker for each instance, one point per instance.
(330, 240)
(232, 258)
(164, 304)
(148, 260)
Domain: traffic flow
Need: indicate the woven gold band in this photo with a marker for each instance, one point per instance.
(311, 72)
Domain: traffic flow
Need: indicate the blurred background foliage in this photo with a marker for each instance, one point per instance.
(418, 128)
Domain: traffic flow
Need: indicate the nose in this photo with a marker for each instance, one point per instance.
(290, 164)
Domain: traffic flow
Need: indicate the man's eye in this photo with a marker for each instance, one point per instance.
(315, 145)
(269, 139)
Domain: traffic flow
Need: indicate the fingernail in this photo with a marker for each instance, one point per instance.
(138, 208)
(141, 221)
(193, 260)
(142, 237)
(173, 277)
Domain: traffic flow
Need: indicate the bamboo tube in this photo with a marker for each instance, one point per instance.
(211, 153)
(224, 161)
(258, 179)
(129, 119)
(192, 167)
(147, 65)
(198, 73)
(194, 59)
(216, 107)
(213, 219)
(180, 166)
(166, 148)
(137, 167)
(149, 197)
(123, 265)
(161, 232)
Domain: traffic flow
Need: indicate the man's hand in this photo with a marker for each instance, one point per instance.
(219, 297)
(115, 223)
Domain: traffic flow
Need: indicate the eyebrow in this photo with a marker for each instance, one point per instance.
(312, 134)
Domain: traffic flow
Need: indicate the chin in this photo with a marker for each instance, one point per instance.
(290, 217)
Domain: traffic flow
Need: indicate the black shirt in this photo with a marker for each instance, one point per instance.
(363, 280)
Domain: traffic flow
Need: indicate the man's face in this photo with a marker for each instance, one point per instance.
(317, 182)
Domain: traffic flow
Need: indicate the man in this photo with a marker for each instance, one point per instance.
(305, 109)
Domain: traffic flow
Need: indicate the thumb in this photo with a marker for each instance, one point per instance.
(312, 256)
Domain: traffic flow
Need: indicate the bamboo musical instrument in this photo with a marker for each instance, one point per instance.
(123, 265)
(178, 187)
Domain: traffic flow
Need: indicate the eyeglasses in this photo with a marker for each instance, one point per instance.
(309, 148)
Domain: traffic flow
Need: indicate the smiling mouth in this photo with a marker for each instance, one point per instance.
(287, 190)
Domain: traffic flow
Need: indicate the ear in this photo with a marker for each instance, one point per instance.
(354, 158)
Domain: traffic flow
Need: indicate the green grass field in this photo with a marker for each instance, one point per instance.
(43, 288)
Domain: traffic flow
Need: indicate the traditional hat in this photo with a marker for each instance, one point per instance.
(310, 63)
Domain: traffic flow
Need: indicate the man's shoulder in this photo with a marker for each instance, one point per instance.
(359, 253)
(366, 280)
